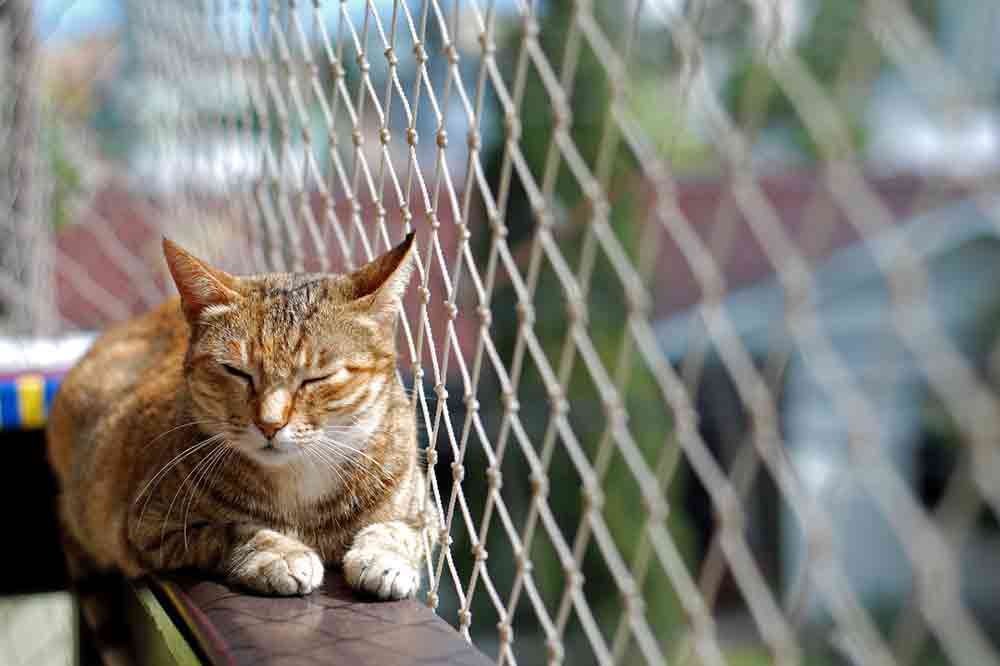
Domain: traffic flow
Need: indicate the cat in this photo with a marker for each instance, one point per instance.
(254, 428)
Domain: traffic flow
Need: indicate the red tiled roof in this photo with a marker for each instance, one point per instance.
(89, 274)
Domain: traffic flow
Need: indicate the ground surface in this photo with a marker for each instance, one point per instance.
(37, 629)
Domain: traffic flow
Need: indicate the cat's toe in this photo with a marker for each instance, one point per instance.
(301, 574)
(308, 571)
(282, 573)
(381, 573)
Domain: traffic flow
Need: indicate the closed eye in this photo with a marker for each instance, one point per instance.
(339, 376)
(238, 373)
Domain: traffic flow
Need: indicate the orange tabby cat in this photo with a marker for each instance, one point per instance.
(255, 428)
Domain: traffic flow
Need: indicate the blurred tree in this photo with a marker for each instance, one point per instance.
(840, 53)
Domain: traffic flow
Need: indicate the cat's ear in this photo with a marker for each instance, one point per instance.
(199, 284)
(379, 284)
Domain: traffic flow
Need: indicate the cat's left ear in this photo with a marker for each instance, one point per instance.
(380, 283)
(200, 285)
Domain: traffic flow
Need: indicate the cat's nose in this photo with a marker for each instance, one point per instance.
(273, 411)
(269, 429)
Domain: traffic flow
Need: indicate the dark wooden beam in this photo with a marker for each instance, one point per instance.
(331, 626)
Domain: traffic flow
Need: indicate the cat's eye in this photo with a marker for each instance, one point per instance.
(238, 373)
(336, 377)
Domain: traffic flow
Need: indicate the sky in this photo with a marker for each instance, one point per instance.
(60, 21)
(65, 20)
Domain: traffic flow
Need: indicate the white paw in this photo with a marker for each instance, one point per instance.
(285, 567)
(380, 572)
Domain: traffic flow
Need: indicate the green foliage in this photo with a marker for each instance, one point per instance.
(837, 32)
(662, 114)
(64, 171)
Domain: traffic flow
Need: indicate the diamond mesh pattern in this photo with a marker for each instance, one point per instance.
(563, 443)
(24, 264)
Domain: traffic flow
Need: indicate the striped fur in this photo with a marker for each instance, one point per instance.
(254, 428)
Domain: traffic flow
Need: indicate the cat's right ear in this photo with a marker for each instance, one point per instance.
(200, 285)
(380, 283)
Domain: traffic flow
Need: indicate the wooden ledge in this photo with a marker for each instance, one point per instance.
(331, 626)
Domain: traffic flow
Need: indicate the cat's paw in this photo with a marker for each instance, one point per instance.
(273, 563)
(380, 572)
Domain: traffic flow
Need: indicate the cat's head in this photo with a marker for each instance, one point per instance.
(284, 363)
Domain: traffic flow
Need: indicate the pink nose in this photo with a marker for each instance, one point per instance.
(269, 429)
(273, 411)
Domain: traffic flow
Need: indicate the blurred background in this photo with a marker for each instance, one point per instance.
(707, 322)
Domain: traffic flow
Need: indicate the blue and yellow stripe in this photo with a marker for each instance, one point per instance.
(25, 400)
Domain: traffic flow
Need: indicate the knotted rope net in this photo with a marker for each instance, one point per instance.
(701, 338)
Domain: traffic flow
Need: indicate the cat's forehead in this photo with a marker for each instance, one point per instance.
(290, 313)
(301, 287)
(294, 296)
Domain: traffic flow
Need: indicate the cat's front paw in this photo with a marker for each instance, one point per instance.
(381, 572)
(272, 563)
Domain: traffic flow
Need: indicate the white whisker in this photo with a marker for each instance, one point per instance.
(158, 478)
(357, 451)
(343, 450)
(216, 422)
(176, 459)
(170, 508)
(323, 458)
(209, 470)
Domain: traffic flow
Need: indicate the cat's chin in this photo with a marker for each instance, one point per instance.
(274, 453)
(273, 456)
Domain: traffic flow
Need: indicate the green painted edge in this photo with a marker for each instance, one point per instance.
(157, 639)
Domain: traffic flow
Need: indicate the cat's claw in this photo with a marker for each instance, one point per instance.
(281, 571)
(381, 573)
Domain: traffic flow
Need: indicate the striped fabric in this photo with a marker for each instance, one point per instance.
(25, 399)
(31, 369)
